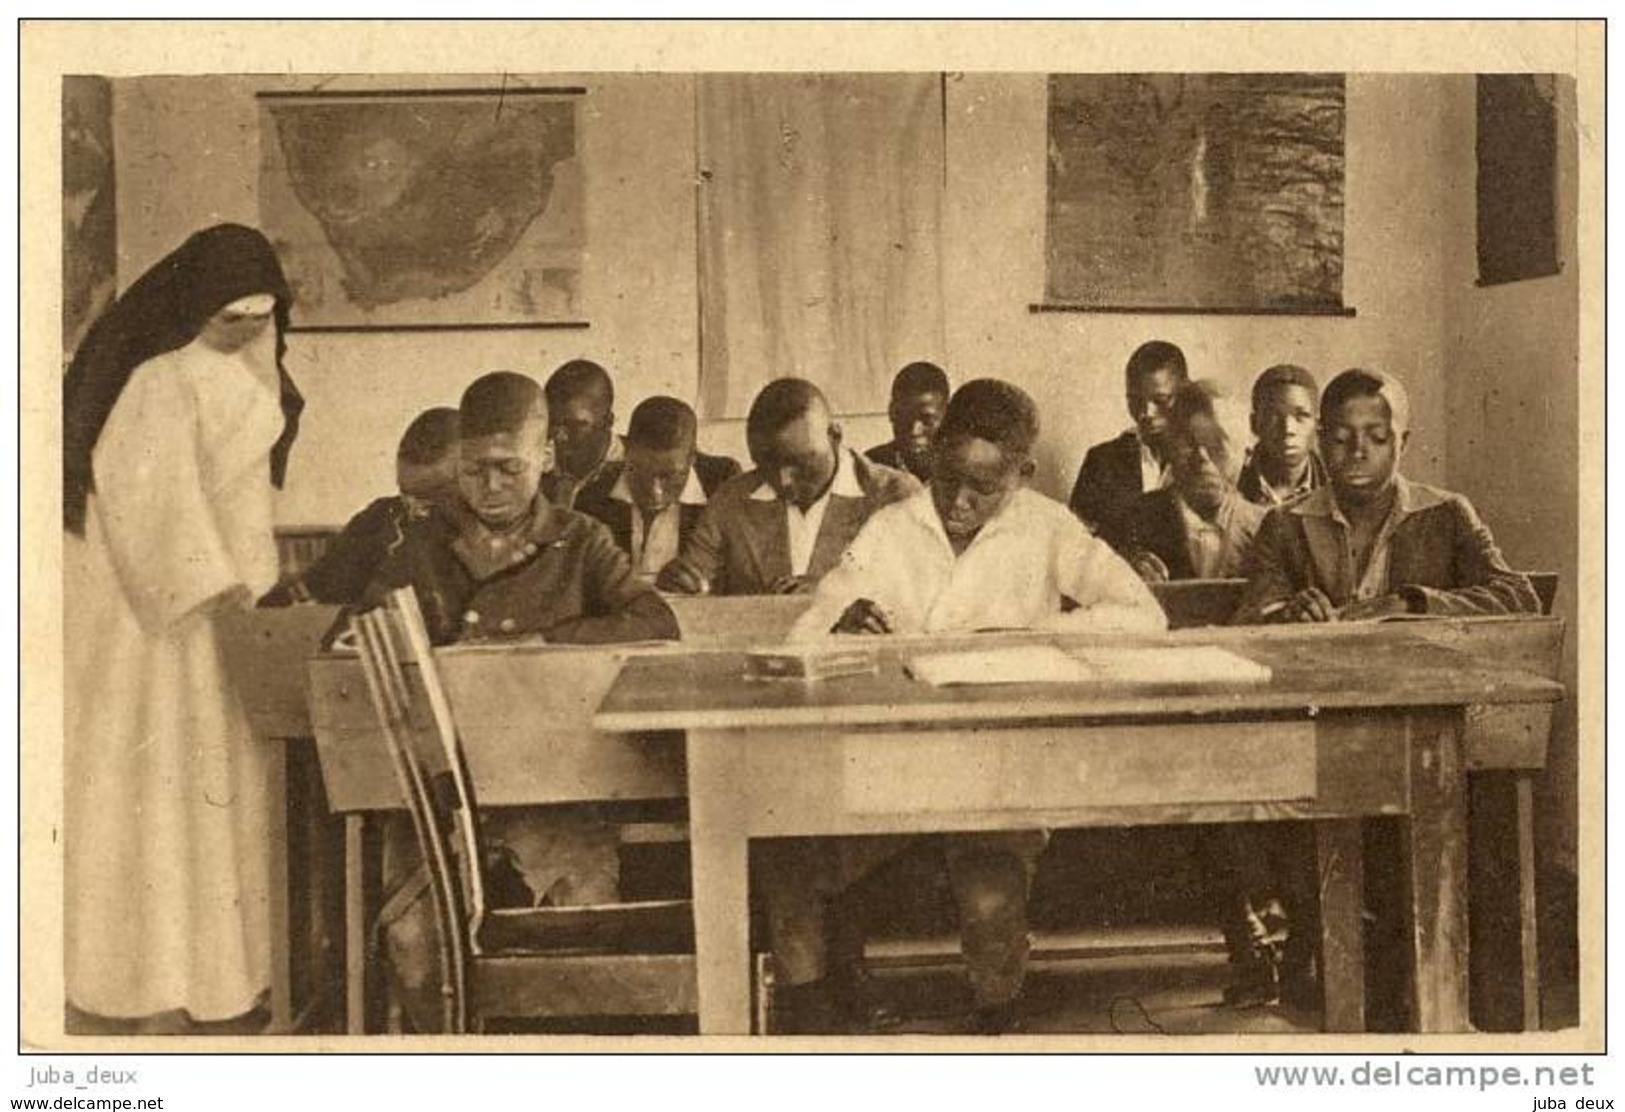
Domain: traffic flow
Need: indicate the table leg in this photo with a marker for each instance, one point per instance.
(1341, 873)
(1501, 887)
(355, 926)
(1528, 933)
(282, 1010)
(1434, 848)
(718, 842)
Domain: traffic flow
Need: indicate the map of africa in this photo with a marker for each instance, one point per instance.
(425, 210)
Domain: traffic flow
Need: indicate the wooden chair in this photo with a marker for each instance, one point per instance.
(633, 959)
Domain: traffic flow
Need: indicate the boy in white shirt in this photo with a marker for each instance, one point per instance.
(976, 550)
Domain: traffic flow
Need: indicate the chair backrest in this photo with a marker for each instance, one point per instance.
(415, 718)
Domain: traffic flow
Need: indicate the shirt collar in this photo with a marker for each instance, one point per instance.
(1409, 497)
(1313, 479)
(844, 485)
(693, 490)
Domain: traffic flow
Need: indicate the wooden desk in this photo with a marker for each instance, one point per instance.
(1355, 723)
(525, 714)
(265, 651)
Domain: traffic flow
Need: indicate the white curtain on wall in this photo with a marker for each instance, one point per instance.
(819, 216)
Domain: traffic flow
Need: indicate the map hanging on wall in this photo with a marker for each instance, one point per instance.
(433, 209)
(1196, 192)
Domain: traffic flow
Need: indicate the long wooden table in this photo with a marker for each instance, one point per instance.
(1355, 723)
(526, 718)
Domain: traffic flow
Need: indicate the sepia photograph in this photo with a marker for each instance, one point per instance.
(1069, 537)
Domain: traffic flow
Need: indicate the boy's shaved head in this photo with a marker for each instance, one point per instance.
(1357, 382)
(1155, 355)
(662, 424)
(432, 434)
(920, 378)
(782, 401)
(995, 411)
(500, 402)
(1283, 375)
(580, 378)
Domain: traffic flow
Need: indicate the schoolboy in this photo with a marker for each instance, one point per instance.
(778, 528)
(976, 550)
(919, 394)
(1284, 464)
(1199, 527)
(652, 502)
(425, 475)
(1372, 543)
(1115, 473)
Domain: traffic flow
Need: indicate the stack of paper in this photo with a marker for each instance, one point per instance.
(818, 662)
(1013, 664)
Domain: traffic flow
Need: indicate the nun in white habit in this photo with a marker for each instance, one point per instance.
(177, 419)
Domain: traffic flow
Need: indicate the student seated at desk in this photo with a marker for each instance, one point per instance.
(1368, 545)
(777, 529)
(919, 394)
(652, 502)
(504, 563)
(425, 473)
(1114, 474)
(1199, 528)
(1373, 544)
(581, 429)
(1283, 466)
(976, 550)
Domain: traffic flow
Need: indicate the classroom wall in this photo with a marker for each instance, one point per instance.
(1396, 209)
(189, 155)
(1511, 373)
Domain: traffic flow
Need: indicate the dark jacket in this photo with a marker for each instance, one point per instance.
(890, 455)
(742, 544)
(596, 501)
(1156, 524)
(350, 559)
(1107, 487)
(568, 583)
(1442, 558)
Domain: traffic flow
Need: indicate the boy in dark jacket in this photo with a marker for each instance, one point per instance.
(425, 474)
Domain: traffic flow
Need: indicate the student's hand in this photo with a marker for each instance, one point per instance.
(1149, 567)
(679, 579)
(1310, 605)
(790, 585)
(1374, 609)
(864, 616)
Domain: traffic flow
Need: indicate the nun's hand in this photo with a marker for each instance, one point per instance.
(229, 601)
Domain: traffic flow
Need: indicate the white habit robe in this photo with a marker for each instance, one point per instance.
(166, 809)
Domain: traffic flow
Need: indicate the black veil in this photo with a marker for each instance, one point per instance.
(164, 310)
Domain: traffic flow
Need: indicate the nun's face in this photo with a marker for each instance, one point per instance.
(238, 324)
